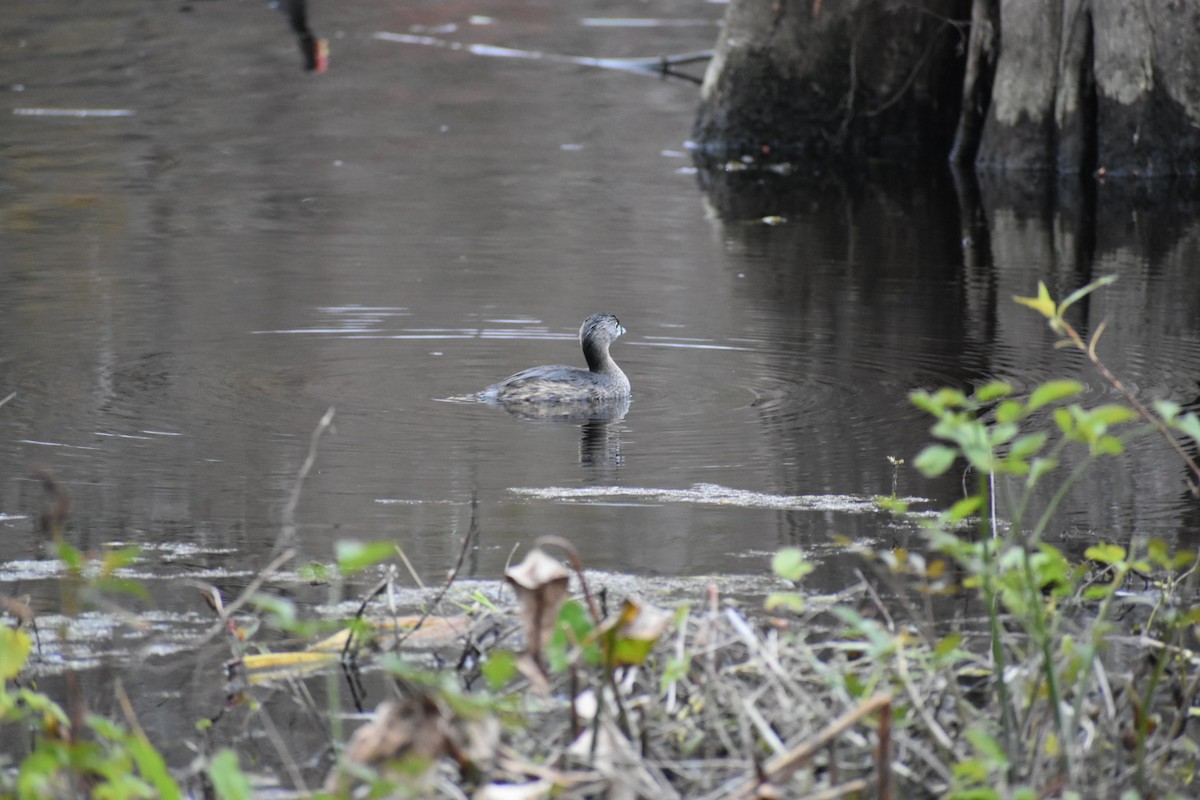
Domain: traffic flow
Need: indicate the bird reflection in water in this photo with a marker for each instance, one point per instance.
(600, 433)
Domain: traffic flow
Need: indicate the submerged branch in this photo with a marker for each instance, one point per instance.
(663, 66)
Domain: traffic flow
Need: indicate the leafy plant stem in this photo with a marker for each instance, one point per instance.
(992, 597)
(1018, 516)
(1090, 652)
(1060, 325)
(1039, 609)
(1146, 414)
(1142, 721)
(1059, 494)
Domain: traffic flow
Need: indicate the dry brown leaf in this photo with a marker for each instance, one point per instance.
(642, 621)
(19, 608)
(541, 584)
(410, 728)
(418, 730)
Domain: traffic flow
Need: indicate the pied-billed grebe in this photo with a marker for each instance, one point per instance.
(602, 381)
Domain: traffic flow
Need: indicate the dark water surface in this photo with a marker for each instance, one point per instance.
(224, 247)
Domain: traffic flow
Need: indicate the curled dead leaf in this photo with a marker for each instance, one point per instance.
(633, 632)
(20, 609)
(411, 735)
(541, 584)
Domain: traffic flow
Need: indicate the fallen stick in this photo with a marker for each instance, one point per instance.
(783, 766)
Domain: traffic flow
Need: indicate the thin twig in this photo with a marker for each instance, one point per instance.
(287, 530)
(780, 768)
(1089, 350)
(230, 609)
(376, 590)
(450, 579)
(412, 571)
(284, 751)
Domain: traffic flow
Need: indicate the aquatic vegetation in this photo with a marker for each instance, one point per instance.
(1061, 712)
(73, 752)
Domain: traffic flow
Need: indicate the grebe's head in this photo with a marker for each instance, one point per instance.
(600, 328)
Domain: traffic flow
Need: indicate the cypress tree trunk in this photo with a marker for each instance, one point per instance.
(1078, 85)
(821, 80)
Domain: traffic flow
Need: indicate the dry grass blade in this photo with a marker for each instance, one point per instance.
(782, 767)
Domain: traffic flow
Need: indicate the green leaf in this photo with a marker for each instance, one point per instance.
(935, 460)
(1105, 553)
(940, 402)
(573, 627)
(1190, 425)
(1002, 433)
(675, 670)
(1158, 552)
(485, 601)
(14, 651)
(40, 704)
(981, 456)
(965, 508)
(947, 645)
(1064, 420)
(106, 728)
(1107, 446)
(123, 586)
(1112, 414)
(628, 651)
(1043, 303)
(1083, 291)
(854, 685)
(1027, 445)
(314, 572)
(1010, 411)
(39, 771)
(1039, 467)
(988, 747)
(881, 643)
(153, 768)
(499, 669)
(952, 398)
(355, 556)
(926, 402)
(1167, 409)
(973, 770)
(1053, 570)
(1183, 559)
(788, 601)
(283, 609)
(993, 390)
(1052, 392)
(790, 564)
(118, 558)
(69, 556)
(228, 780)
(955, 426)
